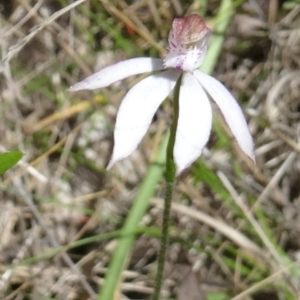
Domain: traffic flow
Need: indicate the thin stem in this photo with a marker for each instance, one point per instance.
(170, 176)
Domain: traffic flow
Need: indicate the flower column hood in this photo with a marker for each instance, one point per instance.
(187, 43)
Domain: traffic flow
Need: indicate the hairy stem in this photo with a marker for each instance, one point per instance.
(170, 177)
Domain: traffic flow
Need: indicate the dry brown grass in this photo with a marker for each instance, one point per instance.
(236, 232)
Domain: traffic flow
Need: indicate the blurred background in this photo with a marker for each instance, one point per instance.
(235, 227)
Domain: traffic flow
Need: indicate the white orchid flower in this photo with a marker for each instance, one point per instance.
(185, 53)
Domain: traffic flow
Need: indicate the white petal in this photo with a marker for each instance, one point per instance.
(137, 109)
(231, 111)
(194, 122)
(118, 71)
(184, 58)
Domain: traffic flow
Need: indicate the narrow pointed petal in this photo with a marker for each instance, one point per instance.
(118, 71)
(231, 111)
(137, 109)
(194, 122)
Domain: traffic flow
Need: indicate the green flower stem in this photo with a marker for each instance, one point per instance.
(170, 177)
(215, 46)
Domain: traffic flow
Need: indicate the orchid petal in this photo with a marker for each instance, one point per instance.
(231, 111)
(137, 109)
(117, 72)
(194, 122)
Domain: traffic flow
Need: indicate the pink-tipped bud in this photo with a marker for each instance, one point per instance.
(190, 29)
